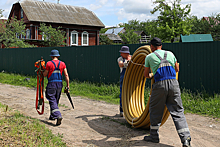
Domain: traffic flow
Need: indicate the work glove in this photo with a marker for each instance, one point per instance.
(126, 63)
(66, 90)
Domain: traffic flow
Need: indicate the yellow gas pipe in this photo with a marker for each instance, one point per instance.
(135, 111)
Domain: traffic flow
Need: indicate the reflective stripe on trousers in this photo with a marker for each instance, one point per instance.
(53, 96)
(167, 92)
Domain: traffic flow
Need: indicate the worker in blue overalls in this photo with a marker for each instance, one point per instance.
(165, 91)
(123, 64)
(54, 70)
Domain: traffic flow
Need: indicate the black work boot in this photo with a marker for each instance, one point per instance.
(59, 119)
(121, 112)
(150, 139)
(50, 118)
(186, 143)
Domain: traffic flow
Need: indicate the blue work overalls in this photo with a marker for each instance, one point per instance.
(53, 92)
(121, 83)
(166, 91)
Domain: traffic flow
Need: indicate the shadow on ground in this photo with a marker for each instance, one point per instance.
(116, 132)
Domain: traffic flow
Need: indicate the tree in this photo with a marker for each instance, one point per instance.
(132, 25)
(11, 32)
(104, 40)
(172, 19)
(1, 13)
(199, 26)
(209, 25)
(129, 37)
(52, 37)
(150, 27)
(103, 30)
(215, 27)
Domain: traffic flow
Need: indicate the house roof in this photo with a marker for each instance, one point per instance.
(113, 37)
(139, 32)
(211, 18)
(41, 11)
(196, 38)
(114, 30)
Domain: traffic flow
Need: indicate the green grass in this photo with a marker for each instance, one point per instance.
(19, 130)
(199, 103)
(97, 91)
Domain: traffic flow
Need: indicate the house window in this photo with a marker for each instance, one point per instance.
(22, 14)
(74, 38)
(22, 36)
(85, 38)
(28, 34)
(17, 35)
(43, 36)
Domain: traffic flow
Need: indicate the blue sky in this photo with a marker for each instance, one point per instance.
(113, 12)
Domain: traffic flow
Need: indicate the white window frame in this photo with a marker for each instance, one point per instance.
(22, 13)
(22, 36)
(28, 34)
(42, 36)
(74, 33)
(87, 38)
(17, 36)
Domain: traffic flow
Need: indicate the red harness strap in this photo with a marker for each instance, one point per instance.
(40, 86)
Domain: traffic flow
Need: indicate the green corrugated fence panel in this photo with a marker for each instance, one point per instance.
(199, 65)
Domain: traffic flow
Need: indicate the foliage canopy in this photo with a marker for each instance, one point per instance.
(172, 19)
(52, 37)
(12, 33)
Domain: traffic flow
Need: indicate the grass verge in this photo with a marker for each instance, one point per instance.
(198, 103)
(19, 130)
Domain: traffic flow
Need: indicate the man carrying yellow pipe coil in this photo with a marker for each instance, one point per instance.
(123, 64)
(165, 91)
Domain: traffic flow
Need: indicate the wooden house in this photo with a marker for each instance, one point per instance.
(81, 25)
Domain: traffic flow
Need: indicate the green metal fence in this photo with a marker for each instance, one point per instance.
(199, 65)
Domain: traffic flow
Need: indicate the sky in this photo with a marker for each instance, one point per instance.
(114, 12)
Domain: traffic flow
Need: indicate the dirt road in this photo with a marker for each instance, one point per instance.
(93, 123)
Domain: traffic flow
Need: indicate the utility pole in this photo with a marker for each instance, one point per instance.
(58, 1)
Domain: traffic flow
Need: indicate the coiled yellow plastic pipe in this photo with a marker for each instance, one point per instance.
(135, 111)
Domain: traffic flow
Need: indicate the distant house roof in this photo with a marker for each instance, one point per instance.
(114, 31)
(138, 32)
(209, 19)
(41, 11)
(113, 37)
(196, 38)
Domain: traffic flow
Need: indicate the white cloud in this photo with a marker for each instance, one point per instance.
(137, 6)
(133, 16)
(99, 4)
(94, 7)
(138, 9)
(205, 8)
(103, 2)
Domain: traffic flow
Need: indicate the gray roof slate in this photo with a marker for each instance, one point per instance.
(58, 13)
(114, 30)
